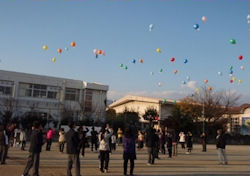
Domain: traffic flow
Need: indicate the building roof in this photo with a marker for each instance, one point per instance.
(131, 98)
(239, 109)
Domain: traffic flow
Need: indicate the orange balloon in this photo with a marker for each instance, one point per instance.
(99, 51)
(205, 81)
(175, 71)
(141, 60)
(210, 88)
(73, 44)
(59, 50)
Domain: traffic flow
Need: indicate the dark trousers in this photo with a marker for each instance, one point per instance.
(170, 152)
(113, 145)
(83, 150)
(151, 156)
(125, 166)
(23, 143)
(182, 145)
(104, 157)
(49, 142)
(73, 158)
(163, 151)
(3, 153)
(94, 143)
(204, 146)
(61, 146)
(32, 161)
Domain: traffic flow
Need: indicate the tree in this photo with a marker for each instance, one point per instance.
(8, 106)
(150, 114)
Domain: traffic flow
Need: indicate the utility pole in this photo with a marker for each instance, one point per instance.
(203, 116)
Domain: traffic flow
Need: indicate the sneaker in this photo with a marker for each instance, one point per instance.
(149, 164)
(102, 171)
(106, 171)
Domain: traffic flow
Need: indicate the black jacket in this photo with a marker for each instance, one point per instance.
(36, 141)
(151, 138)
(169, 142)
(221, 141)
(73, 142)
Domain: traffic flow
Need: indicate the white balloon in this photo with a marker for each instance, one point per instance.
(151, 27)
(248, 17)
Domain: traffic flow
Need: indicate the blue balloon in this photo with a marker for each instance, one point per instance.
(191, 95)
(183, 82)
(185, 61)
(133, 61)
(196, 26)
(231, 71)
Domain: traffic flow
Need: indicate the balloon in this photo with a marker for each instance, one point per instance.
(126, 67)
(191, 95)
(231, 81)
(159, 84)
(164, 100)
(121, 65)
(196, 26)
(95, 51)
(133, 61)
(239, 81)
(219, 73)
(152, 73)
(45, 47)
(175, 71)
(197, 90)
(242, 67)
(73, 44)
(210, 88)
(104, 53)
(53, 59)
(231, 67)
(231, 72)
(158, 50)
(66, 49)
(205, 81)
(240, 57)
(233, 78)
(233, 41)
(230, 75)
(172, 59)
(248, 17)
(204, 19)
(188, 78)
(161, 70)
(59, 50)
(183, 82)
(141, 60)
(151, 27)
(99, 52)
(185, 61)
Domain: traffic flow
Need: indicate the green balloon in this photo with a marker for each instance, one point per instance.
(161, 70)
(121, 65)
(233, 41)
(231, 67)
(174, 101)
(125, 67)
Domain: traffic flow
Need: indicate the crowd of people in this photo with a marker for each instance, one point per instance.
(103, 142)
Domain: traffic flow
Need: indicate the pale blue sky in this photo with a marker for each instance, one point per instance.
(121, 29)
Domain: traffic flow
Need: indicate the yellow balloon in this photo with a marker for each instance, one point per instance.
(53, 59)
(158, 50)
(197, 90)
(240, 81)
(233, 78)
(45, 47)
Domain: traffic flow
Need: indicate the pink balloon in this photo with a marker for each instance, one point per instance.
(204, 19)
(95, 51)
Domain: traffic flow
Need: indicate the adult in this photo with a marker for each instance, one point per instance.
(169, 144)
(221, 147)
(182, 139)
(61, 140)
(204, 141)
(73, 142)
(150, 144)
(104, 149)
(162, 137)
(22, 139)
(36, 142)
(189, 142)
(140, 140)
(128, 150)
(49, 137)
(82, 135)
(113, 141)
(119, 136)
(94, 139)
(2, 145)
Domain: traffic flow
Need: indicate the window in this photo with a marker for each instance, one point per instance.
(88, 100)
(6, 87)
(72, 94)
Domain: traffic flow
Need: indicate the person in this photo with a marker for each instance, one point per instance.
(104, 149)
(82, 131)
(150, 142)
(182, 139)
(2, 145)
(140, 140)
(204, 141)
(113, 142)
(221, 147)
(162, 137)
(36, 142)
(73, 143)
(169, 144)
(94, 139)
(156, 144)
(129, 152)
(16, 137)
(49, 138)
(119, 136)
(22, 139)
(61, 140)
(189, 142)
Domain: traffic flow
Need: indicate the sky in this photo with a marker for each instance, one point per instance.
(121, 29)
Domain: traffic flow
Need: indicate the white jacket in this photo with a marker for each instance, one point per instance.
(104, 143)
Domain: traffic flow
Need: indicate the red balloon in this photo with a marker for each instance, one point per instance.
(59, 50)
(231, 81)
(99, 51)
(240, 57)
(73, 44)
(172, 59)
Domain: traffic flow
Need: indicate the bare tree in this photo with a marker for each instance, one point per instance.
(8, 106)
